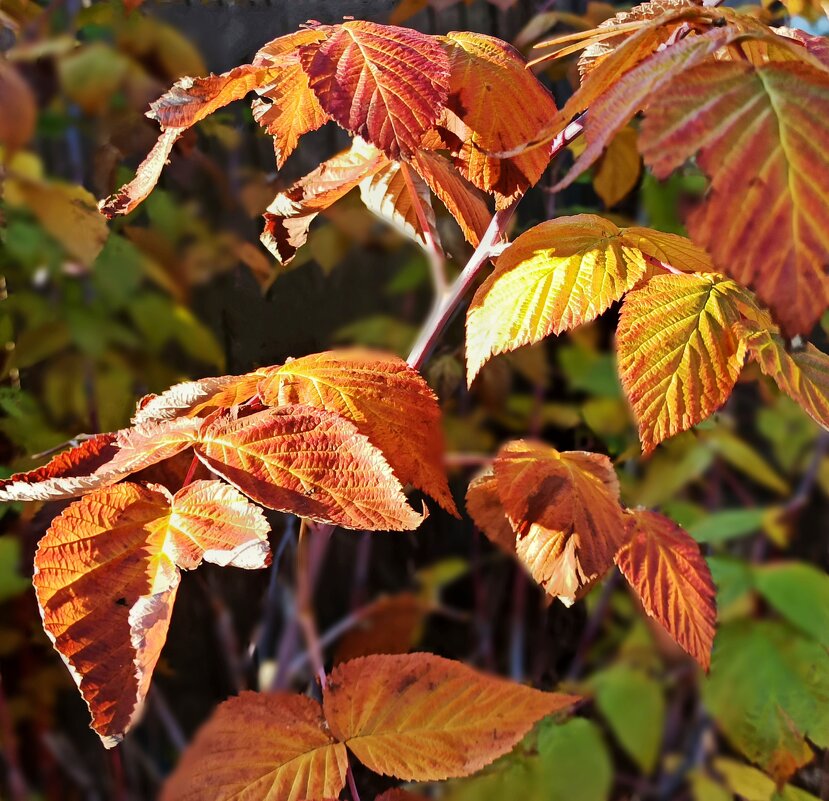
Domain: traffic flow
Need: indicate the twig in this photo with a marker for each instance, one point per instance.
(305, 607)
(352, 785)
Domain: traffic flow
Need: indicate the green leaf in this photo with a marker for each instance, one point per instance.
(732, 578)
(741, 456)
(800, 593)
(727, 524)
(634, 706)
(577, 766)
(11, 582)
(769, 692)
(587, 371)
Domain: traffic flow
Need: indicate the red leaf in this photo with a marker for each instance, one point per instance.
(310, 463)
(381, 82)
(664, 566)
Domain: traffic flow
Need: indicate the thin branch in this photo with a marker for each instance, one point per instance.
(305, 607)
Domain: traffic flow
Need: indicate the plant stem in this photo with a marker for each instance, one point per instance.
(447, 306)
(352, 785)
(305, 606)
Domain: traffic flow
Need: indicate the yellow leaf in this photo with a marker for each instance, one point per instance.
(561, 274)
(619, 168)
(679, 356)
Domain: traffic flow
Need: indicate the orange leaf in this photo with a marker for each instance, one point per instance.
(802, 374)
(495, 104)
(389, 402)
(422, 717)
(484, 507)
(17, 124)
(663, 564)
(308, 462)
(463, 201)
(397, 194)
(261, 746)
(679, 356)
(106, 575)
(286, 107)
(565, 510)
(755, 129)
(187, 102)
(559, 275)
(291, 213)
(389, 625)
(65, 475)
(383, 83)
(195, 397)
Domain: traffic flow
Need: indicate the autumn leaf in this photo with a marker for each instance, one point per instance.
(484, 507)
(390, 625)
(803, 374)
(269, 746)
(495, 104)
(613, 108)
(66, 211)
(309, 462)
(679, 356)
(383, 83)
(663, 564)
(767, 691)
(463, 201)
(387, 400)
(148, 443)
(754, 129)
(17, 125)
(422, 717)
(618, 170)
(67, 474)
(397, 194)
(559, 275)
(286, 107)
(106, 575)
(187, 102)
(196, 397)
(289, 217)
(564, 508)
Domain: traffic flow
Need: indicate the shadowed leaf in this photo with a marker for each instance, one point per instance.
(565, 510)
(106, 575)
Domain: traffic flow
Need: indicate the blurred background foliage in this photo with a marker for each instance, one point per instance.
(93, 316)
